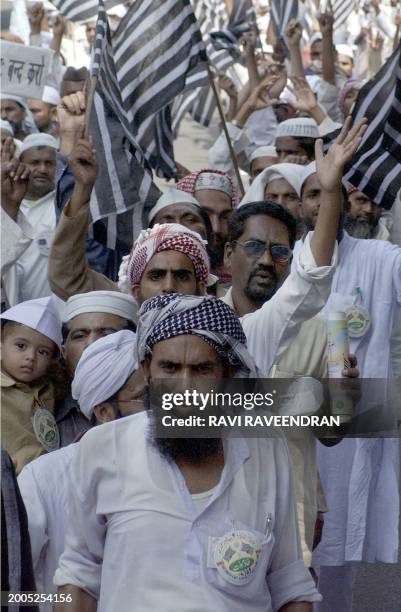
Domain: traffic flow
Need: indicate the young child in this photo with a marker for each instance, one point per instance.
(30, 342)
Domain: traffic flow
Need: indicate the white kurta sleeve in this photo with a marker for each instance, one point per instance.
(15, 239)
(37, 518)
(288, 578)
(81, 562)
(271, 329)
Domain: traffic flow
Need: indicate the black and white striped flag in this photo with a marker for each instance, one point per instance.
(341, 9)
(151, 59)
(81, 10)
(124, 190)
(392, 129)
(282, 11)
(243, 12)
(212, 16)
(375, 169)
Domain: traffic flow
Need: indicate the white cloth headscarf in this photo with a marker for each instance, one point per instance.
(292, 173)
(103, 369)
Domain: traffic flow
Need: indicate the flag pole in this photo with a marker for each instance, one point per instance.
(227, 135)
(91, 84)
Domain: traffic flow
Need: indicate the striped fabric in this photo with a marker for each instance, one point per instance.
(376, 167)
(199, 103)
(243, 12)
(341, 11)
(81, 10)
(282, 11)
(392, 129)
(151, 59)
(124, 190)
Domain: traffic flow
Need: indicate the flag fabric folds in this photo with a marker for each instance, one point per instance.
(152, 58)
(81, 10)
(375, 169)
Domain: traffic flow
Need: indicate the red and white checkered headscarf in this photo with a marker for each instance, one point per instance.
(188, 183)
(167, 237)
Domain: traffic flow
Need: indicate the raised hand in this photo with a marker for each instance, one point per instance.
(228, 86)
(326, 21)
(293, 33)
(71, 112)
(36, 14)
(306, 99)
(83, 164)
(248, 40)
(14, 182)
(261, 96)
(330, 166)
(59, 26)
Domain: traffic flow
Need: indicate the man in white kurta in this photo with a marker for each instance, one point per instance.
(361, 476)
(29, 234)
(141, 538)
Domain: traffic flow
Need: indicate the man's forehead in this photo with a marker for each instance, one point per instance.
(213, 200)
(283, 142)
(179, 209)
(279, 186)
(260, 227)
(42, 153)
(5, 103)
(185, 348)
(92, 320)
(169, 260)
(312, 183)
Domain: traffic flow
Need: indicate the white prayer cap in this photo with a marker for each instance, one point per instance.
(21, 101)
(317, 36)
(38, 140)
(345, 50)
(307, 171)
(263, 152)
(51, 95)
(5, 125)
(169, 197)
(104, 367)
(300, 127)
(292, 173)
(108, 302)
(40, 315)
(213, 180)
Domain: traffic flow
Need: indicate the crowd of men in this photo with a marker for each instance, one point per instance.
(242, 259)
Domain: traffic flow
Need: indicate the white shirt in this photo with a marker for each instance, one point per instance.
(359, 475)
(27, 279)
(136, 541)
(45, 490)
(271, 329)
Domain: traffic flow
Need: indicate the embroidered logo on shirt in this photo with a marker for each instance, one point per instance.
(46, 430)
(236, 555)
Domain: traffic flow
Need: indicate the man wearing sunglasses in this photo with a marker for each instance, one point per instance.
(259, 257)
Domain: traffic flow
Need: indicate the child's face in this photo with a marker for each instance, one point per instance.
(26, 353)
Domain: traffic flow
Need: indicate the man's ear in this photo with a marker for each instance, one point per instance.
(145, 365)
(228, 251)
(104, 413)
(201, 288)
(62, 351)
(136, 294)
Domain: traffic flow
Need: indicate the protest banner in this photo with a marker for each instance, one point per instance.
(23, 70)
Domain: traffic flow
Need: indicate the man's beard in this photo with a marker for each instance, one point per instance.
(260, 295)
(192, 450)
(15, 127)
(358, 228)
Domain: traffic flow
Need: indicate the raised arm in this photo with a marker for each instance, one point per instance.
(330, 170)
(326, 21)
(293, 35)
